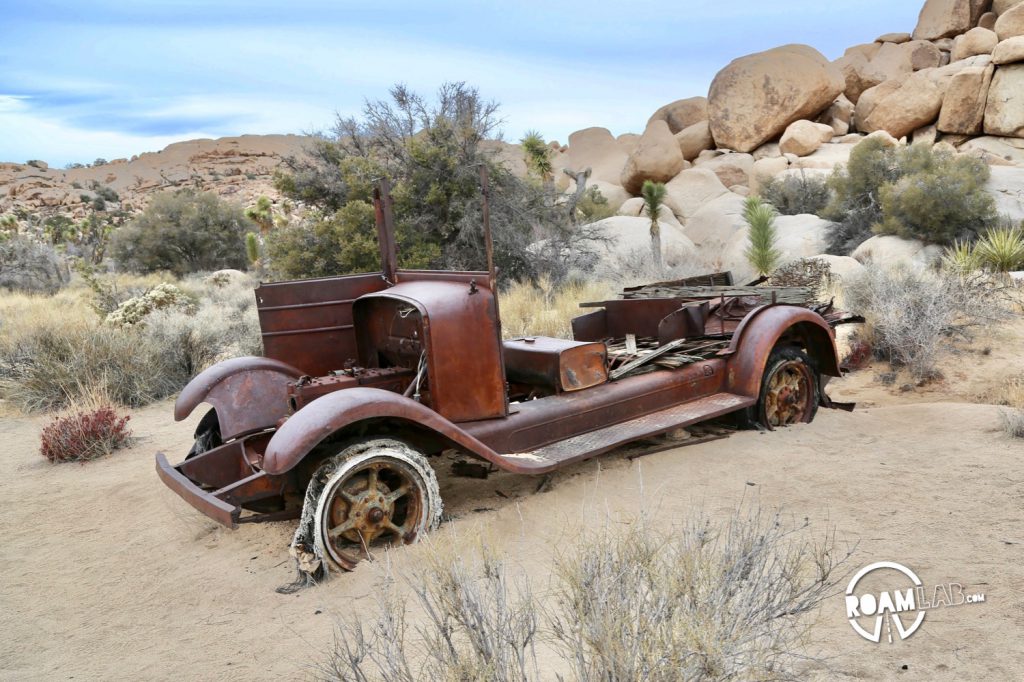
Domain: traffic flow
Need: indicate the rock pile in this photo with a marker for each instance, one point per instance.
(958, 79)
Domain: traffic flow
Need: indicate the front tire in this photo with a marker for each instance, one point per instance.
(377, 493)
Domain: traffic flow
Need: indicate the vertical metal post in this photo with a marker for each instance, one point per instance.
(382, 203)
(485, 188)
(492, 275)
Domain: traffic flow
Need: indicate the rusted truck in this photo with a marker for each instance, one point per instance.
(366, 378)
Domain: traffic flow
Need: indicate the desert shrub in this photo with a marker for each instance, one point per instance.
(49, 359)
(913, 316)
(939, 199)
(813, 273)
(632, 601)
(795, 195)
(856, 203)
(635, 267)
(1013, 422)
(703, 601)
(339, 243)
(84, 433)
(432, 151)
(482, 627)
(161, 297)
(761, 235)
(105, 193)
(31, 266)
(183, 232)
(593, 206)
(913, 192)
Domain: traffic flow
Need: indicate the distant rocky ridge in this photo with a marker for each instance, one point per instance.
(238, 168)
(956, 81)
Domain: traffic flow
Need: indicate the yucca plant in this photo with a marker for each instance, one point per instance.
(1002, 249)
(262, 213)
(252, 251)
(653, 194)
(538, 155)
(761, 253)
(961, 258)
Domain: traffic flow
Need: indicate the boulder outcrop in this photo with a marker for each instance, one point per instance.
(755, 97)
(656, 157)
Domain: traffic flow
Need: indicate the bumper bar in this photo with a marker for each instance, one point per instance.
(217, 509)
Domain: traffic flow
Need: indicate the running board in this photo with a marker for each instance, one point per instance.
(591, 444)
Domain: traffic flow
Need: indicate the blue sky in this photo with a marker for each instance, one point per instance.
(81, 80)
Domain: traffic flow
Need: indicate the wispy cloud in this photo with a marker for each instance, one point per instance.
(110, 78)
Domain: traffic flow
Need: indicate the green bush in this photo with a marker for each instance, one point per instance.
(183, 232)
(914, 192)
(939, 200)
(593, 206)
(432, 152)
(796, 195)
(340, 243)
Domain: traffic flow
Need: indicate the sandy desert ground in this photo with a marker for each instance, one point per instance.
(108, 575)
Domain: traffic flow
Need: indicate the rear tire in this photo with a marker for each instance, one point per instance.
(790, 391)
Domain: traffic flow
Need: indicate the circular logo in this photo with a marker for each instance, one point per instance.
(890, 606)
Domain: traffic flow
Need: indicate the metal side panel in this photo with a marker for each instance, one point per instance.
(308, 323)
(596, 442)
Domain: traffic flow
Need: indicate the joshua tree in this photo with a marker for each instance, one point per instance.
(262, 214)
(761, 253)
(538, 161)
(654, 198)
(538, 155)
(252, 251)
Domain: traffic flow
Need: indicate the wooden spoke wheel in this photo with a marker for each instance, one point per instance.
(380, 495)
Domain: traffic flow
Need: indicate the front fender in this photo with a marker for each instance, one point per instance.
(324, 416)
(248, 393)
(761, 330)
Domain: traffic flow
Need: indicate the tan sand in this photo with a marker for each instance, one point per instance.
(107, 575)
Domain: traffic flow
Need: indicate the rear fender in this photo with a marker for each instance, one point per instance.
(325, 416)
(759, 333)
(248, 393)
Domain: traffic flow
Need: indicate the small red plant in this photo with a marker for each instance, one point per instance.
(84, 434)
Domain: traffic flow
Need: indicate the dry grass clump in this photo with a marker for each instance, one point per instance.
(705, 601)
(914, 316)
(709, 600)
(546, 309)
(481, 626)
(90, 429)
(55, 350)
(1013, 422)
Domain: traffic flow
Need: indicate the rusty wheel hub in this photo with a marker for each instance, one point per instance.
(378, 503)
(787, 400)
